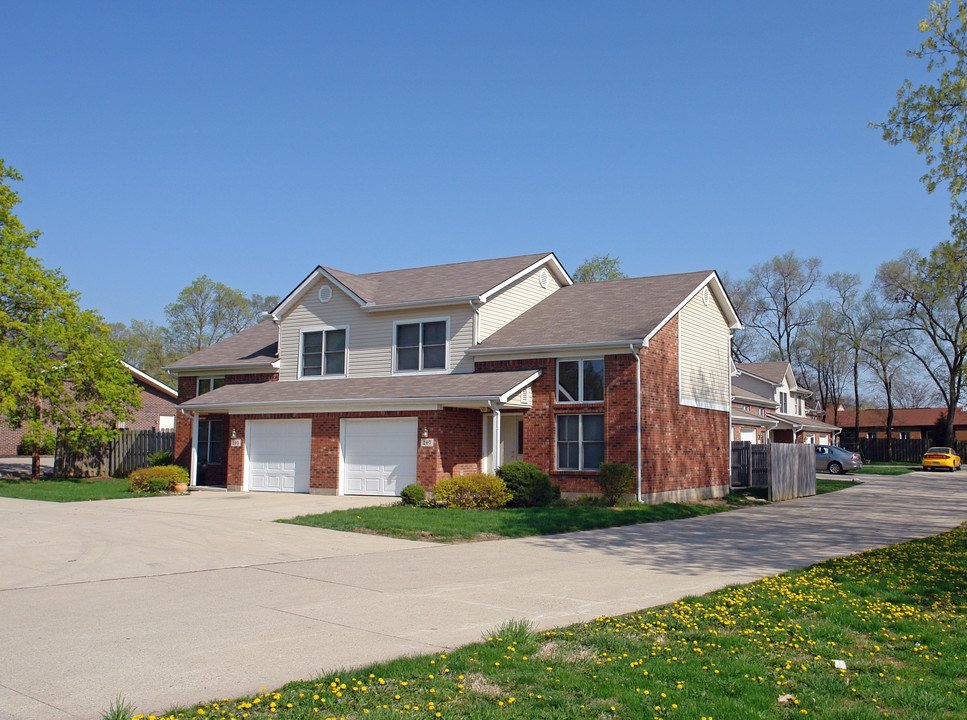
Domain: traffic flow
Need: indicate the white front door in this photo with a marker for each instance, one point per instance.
(278, 455)
(378, 456)
(511, 439)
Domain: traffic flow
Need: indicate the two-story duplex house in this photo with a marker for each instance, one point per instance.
(364, 383)
(769, 403)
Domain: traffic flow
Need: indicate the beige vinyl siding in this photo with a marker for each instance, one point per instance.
(514, 300)
(370, 334)
(703, 354)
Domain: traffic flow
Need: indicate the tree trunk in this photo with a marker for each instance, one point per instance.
(856, 400)
(889, 426)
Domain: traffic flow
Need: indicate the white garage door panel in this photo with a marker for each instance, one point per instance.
(379, 456)
(278, 455)
(747, 435)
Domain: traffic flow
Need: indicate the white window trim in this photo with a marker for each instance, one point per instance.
(446, 352)
(783, 402)
(557, 456)
(211, 378)
(581, 362)
(323, 329)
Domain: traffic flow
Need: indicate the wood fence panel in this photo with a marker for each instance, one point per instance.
(793, 471)
(128, 452)
(740, 463)
(760, 465)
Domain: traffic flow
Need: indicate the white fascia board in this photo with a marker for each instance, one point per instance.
(518, 387)
(144, 377)
(463, 300)
(345, 405)
(720, 295)
(547, 259)
(216, 370)
(544, 351)
(293, 296)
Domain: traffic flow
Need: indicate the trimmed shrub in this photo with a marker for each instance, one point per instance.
(528, 485)
(159, 478)
(413, 494)
(486, 492)
(162, 457)
(615, 479)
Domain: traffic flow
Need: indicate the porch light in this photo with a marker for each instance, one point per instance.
(426, 431)
(234, 433)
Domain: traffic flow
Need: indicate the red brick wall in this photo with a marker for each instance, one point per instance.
(187, 389)
(457, 435)
(154, 403)
(683, 448)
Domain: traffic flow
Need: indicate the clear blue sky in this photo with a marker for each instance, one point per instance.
(253, 141)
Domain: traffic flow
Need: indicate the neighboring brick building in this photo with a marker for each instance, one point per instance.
(159, 406)
(908, 423)
(365, 383)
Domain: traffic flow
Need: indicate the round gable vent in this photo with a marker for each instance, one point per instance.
(544, 278)
(325, 294)
(706, 297)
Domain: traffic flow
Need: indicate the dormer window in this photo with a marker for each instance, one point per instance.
(421, 346)
(324, 352)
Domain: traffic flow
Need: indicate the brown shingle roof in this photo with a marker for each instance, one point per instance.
(772, 371)
(398, 387)
(626, 310)
(902, 417)
(436, 282)
(740, 393)
(257, 345)
(806, 422)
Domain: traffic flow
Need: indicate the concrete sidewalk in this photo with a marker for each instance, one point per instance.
(178, 600)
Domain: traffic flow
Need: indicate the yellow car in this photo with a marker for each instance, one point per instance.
(941, 457)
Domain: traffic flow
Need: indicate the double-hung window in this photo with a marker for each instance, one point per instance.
(580, 380)
(421, 346)
(209, 442)
(209, 384)
(580, 441)
(324, 352)
(783, 403)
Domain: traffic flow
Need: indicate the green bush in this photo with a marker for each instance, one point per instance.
(160, 478)
(162, 457)
(413, 494)
(615, 479)
(45, 445)
(486, 492)
(528, 485)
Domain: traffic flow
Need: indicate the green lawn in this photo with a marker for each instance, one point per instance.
(895, 619)
(828, 485)
(445, 525)
(892, 468)
(66, 490)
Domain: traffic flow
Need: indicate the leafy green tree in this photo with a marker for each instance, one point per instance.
(930, 296)
(59, 366)
(262, 304)
(146, 346)
(599, 267)
(933, 116)
(205, 312)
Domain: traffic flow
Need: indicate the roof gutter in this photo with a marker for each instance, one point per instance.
(617, 344)
(379, 307)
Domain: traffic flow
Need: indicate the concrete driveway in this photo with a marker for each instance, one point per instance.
(178, 600)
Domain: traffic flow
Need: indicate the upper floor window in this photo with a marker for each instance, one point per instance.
(209, 384)
(798, 406)
(421, 346)
(580, 380)
(324, 352)
(783, 402)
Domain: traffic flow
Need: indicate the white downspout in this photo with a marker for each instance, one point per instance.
(193, 469)
(495, 432)
(637, 355)
(728, 444)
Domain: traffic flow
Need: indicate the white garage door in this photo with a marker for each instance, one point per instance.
(278, 455)
(379, 456)
(747, 435)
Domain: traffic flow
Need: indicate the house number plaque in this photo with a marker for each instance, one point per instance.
(426, 442)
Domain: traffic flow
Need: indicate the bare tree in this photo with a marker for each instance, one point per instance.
(779, 308)
(883, 355)
(822, 360)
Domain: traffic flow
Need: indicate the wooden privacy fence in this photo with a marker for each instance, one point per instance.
(876, 449)
(784, 470)
(128, 452)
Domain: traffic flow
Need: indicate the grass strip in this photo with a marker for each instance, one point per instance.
(453, 525)
(880, 634)
(67, 489)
